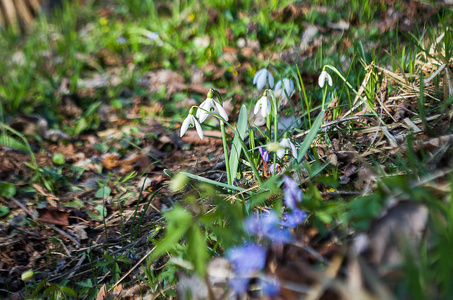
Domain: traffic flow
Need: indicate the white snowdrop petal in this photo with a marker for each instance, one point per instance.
(221, 111)
(278, 86)
(270, 79)
(329, 79)
(185, 126)
(199, 130)
(293, 150)
(257, 108)
(257, 74)
(281, 153)
(322, 79)
(261, 82)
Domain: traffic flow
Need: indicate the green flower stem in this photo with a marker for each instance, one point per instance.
(268, 127)
(244, 147)
(275, 115)
(324, 98)
(225, 150)
(354, 90)
(246, 152)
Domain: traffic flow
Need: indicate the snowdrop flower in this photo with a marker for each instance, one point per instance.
(210, 105)
(191, 122)
(264, 105)
(322, 79)
(287, 85)
(261, 77)
(285, 143)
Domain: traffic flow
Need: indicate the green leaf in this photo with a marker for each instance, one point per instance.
(4, 211)
(6, 140)
(103, 192)
(58, 159)
(310, 136)
(236, 148)
(179, 222)
(81, 125)
(68, 291)
(197, 249)
(206, 180)
(102, 212)
(7, 190)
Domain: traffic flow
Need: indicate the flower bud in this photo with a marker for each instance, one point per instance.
(27, 275)
(178, 182)
(273, 147)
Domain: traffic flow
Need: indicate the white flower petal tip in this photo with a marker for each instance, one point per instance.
(210, 105)
(285, 144)
(261, 77)
(288, 86)
(322, 79)
(264, 105)
(191, 122)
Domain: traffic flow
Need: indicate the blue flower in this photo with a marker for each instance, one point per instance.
(293, 219)
(261, 77)
(270, 286)
(247, 259)
(121, 40)
(239, 284)
(267, 226)
(264, 153)
(293, 195)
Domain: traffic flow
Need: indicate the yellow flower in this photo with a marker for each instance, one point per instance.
(103, 21)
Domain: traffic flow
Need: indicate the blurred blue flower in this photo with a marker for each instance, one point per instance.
(267, 225)
(270, 286)
(121, 40)
(261, 77)
(273, 168)
(247, 259)
(264, 153)
(293, 219)
(293, 194)
(239, 284)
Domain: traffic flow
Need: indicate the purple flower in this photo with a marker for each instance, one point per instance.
(121, 40)
(247, 259)
(264, 153)
(273, 168)
(270, 286)
(239, 284)
(293, 219)
(293, 194)
(267, 225)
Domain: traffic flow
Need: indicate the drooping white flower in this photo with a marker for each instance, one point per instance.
(285, 144)
(213, 106)
(261, 77)
(322, 79)
(191, 122)
(264, 105)
(286, 85)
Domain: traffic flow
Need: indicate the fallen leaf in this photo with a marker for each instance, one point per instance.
(53, 215)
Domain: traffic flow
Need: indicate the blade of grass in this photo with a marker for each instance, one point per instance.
(206, 180)
(241, 128)
(310, 136)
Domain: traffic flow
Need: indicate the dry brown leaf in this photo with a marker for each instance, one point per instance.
(53, 215)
